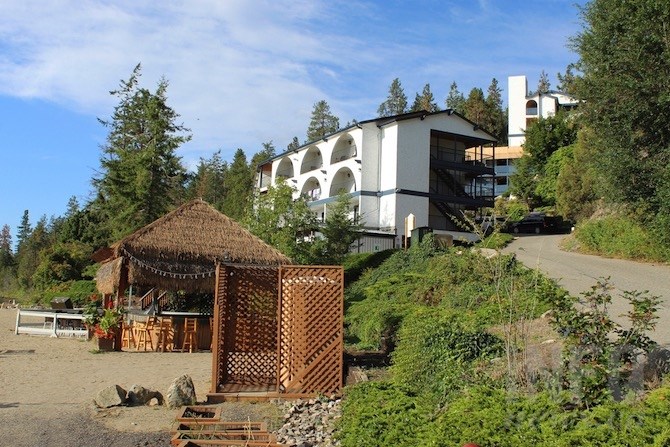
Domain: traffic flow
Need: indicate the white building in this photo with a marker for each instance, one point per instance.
(523, 109)
(416, 163)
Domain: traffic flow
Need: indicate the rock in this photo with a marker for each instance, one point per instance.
(138, 395)
(181, 392)
(309, 423)
(111, 396)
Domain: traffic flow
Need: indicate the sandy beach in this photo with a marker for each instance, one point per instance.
(47, 386)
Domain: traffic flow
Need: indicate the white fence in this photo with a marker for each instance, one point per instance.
(50, 323)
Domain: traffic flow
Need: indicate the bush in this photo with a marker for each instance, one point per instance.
(380, 414)
(622, 237)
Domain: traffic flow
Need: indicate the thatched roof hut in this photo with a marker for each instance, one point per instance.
(180, 251)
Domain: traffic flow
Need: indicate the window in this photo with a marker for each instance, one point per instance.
(531, 107)
(501, 181)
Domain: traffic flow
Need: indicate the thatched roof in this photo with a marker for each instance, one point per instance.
(180, 250)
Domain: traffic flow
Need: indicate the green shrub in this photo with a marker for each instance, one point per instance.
(357, 263)
(380, 414)
(620, 236)
(436, 352)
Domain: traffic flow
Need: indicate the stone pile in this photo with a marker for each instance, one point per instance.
(180, 393)
(309, 423)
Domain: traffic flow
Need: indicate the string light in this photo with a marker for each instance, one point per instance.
(157, 271)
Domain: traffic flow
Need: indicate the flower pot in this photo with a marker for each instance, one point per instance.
(105, 344)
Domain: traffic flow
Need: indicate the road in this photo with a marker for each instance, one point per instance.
(577, 273)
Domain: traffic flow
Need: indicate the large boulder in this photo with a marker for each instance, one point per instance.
(181, 392)
(138, 395)
(110, 397)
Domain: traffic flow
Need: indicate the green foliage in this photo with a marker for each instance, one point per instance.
(512, 209)
(338, 233)
(546, 187)
(282, 222)
(455, 100)
(208, 181)
(381, 414)
(425, 101)
(141, 178)
(61, 262)
(496, 240)
(322, 123)
(356, 263)
(436, 351)
(396, 102)
(620, 236)
(577, 181)
(599, 354)
(239, 185)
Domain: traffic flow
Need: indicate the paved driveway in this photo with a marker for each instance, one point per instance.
(578, 272)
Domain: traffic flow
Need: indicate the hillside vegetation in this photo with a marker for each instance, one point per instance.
(459, 324)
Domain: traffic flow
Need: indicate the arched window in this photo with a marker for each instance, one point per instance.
(531, 107)
(344, 149)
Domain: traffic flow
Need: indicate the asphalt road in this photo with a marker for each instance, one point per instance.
(577, 273)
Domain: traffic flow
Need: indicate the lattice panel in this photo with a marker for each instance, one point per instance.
(247, 346)
(311, 330)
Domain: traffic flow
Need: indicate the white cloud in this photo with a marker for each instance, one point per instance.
(242, 72)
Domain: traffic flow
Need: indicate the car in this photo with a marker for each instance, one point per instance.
(535, 223)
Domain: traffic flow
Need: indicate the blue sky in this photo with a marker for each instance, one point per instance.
(241, 72)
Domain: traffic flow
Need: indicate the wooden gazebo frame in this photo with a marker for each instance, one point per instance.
(278, 328)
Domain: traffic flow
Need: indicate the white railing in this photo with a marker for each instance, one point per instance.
(54, 324)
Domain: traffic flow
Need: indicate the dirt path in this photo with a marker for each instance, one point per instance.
(47, 388)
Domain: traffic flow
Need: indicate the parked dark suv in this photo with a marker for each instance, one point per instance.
(536, 223)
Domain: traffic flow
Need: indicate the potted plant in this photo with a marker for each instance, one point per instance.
(103, 325)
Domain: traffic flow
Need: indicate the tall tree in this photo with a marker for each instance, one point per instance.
(396, 102)
(455, 100)
(624, 58)
(24, 230)
(475, 106)
(495, 120)
(543, 85)
(323, 122)
(208, 181)
(141, 177)
(239, 186)
(425, 101)
(339, 232)
(6, 253)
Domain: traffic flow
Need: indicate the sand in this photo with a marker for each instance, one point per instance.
(47, 386)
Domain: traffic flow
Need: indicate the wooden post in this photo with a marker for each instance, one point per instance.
(216, 352)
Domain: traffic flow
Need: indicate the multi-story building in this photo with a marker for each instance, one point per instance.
(430, 165)
(523, 109)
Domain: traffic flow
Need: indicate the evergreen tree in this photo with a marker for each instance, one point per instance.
(455, 101)
(475, 107)
(28, 254)
(323, 122)
(239, 185)
(141, 178)
(543, 85)
(24, 230)
(293, 145)
(396, 102)
(6, 253)
(425, 101)
(339, 232)
(208, 182)
(284, 223)
(495, 119)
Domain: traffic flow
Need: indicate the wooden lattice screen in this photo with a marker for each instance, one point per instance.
(310, 330)
(278, 330)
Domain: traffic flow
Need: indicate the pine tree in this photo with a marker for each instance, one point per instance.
(293, 145)
(6, 254)
(495, 120)
(208, 181)
(239, 186)
(24, 230)
(475, 106)
(425, 101)
(455, 101)
(396, 102)
(543, 85)
(141, 178)
(323, 122)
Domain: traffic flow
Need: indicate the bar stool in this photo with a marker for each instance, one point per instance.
(128, 335)
(144, 333)
(165, 335)
(190, 338)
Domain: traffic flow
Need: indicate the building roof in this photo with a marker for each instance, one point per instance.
(383, 121)
(181, 248)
